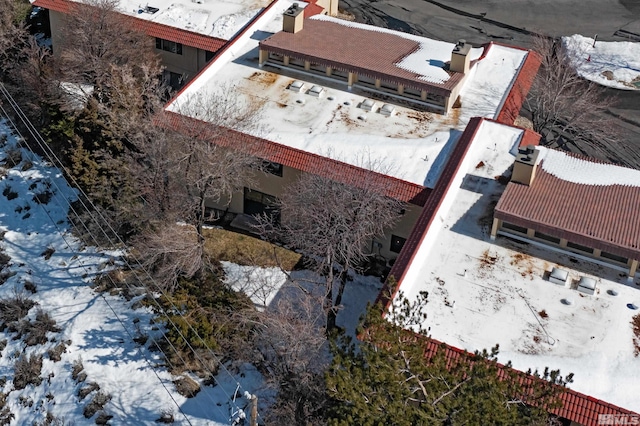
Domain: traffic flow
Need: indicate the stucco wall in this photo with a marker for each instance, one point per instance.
(275, 185)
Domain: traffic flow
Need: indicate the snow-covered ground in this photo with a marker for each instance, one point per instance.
(98, 328)
(413, 144)
(610, 63)
(483, 292)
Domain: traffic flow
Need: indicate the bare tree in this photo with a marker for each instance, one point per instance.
(215, 158)
(23, 62)
(565, 107)
(183, 167)
(293, 351)
(334, 223)
(169, 252)
(112, 62)
(12, 29)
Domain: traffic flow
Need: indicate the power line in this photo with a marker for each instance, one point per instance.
(90, 209)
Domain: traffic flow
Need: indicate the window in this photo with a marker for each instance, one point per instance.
(614, 257)
(579, 247)
(175, 80)
(512, 227)
(547, 237)
(208, 55)
(273, 168)
(169, 46)
(258, 203)
(397, 243)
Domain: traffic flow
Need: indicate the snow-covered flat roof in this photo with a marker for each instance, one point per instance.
(215, 18)
(483, 292)
(414, 144)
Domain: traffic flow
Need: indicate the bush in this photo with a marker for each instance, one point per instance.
(103, 418)
(86, 390)
(187, 387)
(13, 157)
(50, 420)
(5, 414)
(43, 197)
(213, 313)
(97, 403)
(9, 193)
(76, 368)
(27, 371)
(166, 417)
(55, 353)
(14, 309)
(48, 253)
(31, 287)
(35, 332)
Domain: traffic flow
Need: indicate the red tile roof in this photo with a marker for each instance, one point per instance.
(313, 9)
(513, 103)
(153, 29)
(605, 217)
(369, 53)
(576, 406)
(304, 161)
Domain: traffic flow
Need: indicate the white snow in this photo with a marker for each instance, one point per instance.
(98, 328)
(215, 18)
(484, 292)
(577, 170)
(414, 145)
(260, 284)
(610, 63)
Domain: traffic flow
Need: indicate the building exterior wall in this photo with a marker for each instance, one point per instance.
(188, 64)
(562, 243)
(275, 185)
(56, 20)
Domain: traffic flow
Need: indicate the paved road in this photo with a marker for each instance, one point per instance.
(513, 22)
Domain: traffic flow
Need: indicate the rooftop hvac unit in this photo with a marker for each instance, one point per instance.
(297, 86)
(317, 91)
(587, 285)
(558, 276)
(387, 110)
(369, 105)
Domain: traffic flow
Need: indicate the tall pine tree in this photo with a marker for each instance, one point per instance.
(395, 377)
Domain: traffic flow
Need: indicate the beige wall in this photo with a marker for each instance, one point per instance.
(56, 19)
(274, 185)
(189, 63)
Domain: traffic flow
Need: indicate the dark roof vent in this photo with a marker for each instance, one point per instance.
(459, 45)
(293, 10)
(149, 9)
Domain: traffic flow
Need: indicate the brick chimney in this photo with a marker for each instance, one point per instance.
(524, 168)
(293, 18)
(460, 57)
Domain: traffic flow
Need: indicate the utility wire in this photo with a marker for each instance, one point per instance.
(84, 199)
(69, 246)
(70, 207)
